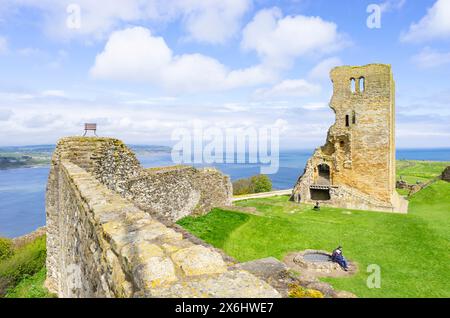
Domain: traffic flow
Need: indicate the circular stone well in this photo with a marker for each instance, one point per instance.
(317, 257)
(317, 263)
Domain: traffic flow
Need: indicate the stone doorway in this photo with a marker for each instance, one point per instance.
(320, 194)
(323, 174)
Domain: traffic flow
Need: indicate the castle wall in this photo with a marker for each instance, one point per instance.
(360, 146)
(100, 244)
(170, 193)
(175, 192)
(371, 143)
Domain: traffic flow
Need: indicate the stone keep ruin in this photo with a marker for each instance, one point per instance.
(110, 230)
(355, 168)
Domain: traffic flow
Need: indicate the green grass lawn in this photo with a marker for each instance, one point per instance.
(412, 250)
(423, 171)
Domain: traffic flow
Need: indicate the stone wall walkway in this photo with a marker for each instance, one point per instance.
(262, 195)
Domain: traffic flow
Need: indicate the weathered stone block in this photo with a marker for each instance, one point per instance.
(199, 260)
(232, 284)
(155, 271)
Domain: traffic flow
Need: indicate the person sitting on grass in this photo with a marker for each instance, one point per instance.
(317, 206)
(339, 258)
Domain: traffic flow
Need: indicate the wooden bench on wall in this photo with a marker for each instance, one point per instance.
(90, 127)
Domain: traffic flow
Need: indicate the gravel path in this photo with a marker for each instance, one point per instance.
(263, 195)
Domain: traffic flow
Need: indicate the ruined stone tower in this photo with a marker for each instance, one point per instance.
(356, 167)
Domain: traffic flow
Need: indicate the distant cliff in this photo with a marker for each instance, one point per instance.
(30, 156)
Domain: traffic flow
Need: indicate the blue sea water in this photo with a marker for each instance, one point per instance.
(22, 200)
(22, 191)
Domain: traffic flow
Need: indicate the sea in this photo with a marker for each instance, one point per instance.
(22, 191)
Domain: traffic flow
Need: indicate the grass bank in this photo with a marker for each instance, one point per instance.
(412, 250)
(22, 272)
(412, 171)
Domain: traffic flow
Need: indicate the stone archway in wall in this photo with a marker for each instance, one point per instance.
(320, 190)
(323, 175)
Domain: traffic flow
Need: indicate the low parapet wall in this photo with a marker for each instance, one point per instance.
(100, 244)
(169, 193)
(175, 192)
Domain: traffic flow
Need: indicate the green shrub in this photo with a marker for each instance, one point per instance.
(261, 183)
(6, 249)
(297, 291)
(242, 186)
(255, 184)
(26, 261)
(31, 287)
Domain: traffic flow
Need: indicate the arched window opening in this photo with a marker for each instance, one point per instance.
(347, 121)
(342, 144)
(323, 175)
(353, 85)
(362, 84)
(353, 117)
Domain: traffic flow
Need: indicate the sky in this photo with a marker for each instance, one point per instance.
(144, 68)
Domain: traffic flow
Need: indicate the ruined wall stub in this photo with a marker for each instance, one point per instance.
(356, 166)
(104, 242)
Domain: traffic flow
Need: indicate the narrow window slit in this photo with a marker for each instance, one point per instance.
(362, 84)
(353, 85)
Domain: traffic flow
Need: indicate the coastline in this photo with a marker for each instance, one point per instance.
(38, 165)
(27, 238)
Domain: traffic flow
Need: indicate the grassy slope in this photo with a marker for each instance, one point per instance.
(423, 171)
(23, 273)
(412, 249)
(31, 287)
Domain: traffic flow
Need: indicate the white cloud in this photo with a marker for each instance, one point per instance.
(314, 106)
(152, 101)
(5, 114)
(29, 118)
(132, 54)
(281, 124)
(135, 54)
(233, 107)
(391, 5)
(59, 59)
(97, 17)
(3, 45)
(279, 40)
(53, 93)
(213, 21)
(29, 51)
(434, 25)
(322, 69)
(40, 120)
(289, 88)
(429, 58)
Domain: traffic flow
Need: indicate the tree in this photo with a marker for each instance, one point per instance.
(242, 186)
(261, 183)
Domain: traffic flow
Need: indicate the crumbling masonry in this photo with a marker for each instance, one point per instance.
(355, 168)
(110, 230)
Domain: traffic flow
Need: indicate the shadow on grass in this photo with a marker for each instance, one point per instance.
(214, 227)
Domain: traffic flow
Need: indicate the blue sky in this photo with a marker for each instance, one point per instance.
(144, 68)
